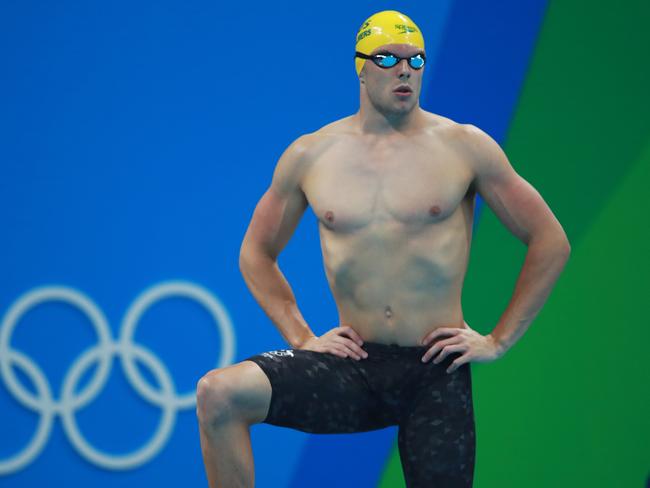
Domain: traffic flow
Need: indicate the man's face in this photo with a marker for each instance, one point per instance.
(381, 83)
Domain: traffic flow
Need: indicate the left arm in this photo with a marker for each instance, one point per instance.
(523, 211)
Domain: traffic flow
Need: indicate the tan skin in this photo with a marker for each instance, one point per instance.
(394, 189)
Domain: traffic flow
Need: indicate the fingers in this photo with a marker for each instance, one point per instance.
(350, 332)
(355, 351)
(337, 351)
(443, 346)
(440, 332)
(448, 350)
(342, 351)
(456, 363)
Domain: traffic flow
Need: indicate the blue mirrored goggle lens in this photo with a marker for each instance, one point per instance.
(388, 61)
(416, 61)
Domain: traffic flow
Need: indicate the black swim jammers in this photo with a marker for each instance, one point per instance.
(323, 393)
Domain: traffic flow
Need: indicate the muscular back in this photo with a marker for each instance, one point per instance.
(395, 219)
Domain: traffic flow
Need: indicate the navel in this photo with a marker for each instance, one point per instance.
(388, 311)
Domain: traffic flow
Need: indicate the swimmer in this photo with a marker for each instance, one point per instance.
(393, 187)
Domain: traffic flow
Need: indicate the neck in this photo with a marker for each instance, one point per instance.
(372, 121)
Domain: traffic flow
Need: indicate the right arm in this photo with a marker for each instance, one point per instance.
(274, 220)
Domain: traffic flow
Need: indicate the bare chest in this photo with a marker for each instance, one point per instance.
(352, 187)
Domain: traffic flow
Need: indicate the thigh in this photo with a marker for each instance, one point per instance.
(245, 388)
(436, 436)
(318, 392)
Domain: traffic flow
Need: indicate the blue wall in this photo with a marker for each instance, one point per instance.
(136, 139)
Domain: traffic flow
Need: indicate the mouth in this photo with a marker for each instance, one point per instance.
(403, 91)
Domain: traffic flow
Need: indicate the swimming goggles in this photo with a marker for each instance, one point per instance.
(388, 60)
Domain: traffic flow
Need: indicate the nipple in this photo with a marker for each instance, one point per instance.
(435, 210)
(329, 216)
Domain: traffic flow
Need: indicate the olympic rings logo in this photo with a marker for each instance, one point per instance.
(43, 402)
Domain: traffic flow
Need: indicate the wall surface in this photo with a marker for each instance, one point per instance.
(135, 141)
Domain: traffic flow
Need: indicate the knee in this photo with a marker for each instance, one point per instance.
(214, 398)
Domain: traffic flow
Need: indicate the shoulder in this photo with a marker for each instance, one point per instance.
(483, 154)
(300, 154)
(344, 125)
(467, 139)
(303, 150)
(291, 166)
(309, 143)
(456, 135)
(438, 122)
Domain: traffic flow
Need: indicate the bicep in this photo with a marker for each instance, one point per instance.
(274, 220)
(279, 210)
(516, 203)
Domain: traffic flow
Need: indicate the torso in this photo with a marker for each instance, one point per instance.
(395, 220)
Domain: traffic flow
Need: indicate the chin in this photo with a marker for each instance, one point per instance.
(403, 109)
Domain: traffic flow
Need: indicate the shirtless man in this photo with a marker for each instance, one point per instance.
(393, 188)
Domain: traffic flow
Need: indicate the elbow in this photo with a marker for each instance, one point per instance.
(565, 245)
(242, 263)
(563, 248)
(561, 244)
(245, 260)
(553, 242)
(567, 248)
(242, 257)
(251, 257)
(564, 251)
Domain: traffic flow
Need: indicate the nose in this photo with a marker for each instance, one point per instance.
(403, 69)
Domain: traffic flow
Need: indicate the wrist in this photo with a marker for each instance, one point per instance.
(499, 346)
(297, 343)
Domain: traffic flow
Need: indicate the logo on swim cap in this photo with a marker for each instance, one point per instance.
(386, 27)
(406, 28)
(363, 34)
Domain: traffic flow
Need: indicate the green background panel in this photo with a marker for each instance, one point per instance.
(567, 405)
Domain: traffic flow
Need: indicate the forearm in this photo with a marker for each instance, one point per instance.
(273, 293)
(544, 262)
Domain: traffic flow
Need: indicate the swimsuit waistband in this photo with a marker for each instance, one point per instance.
(393, 349)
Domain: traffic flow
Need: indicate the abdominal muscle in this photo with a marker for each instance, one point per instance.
(394, 285)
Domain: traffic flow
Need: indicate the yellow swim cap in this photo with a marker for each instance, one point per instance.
(386, 27)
